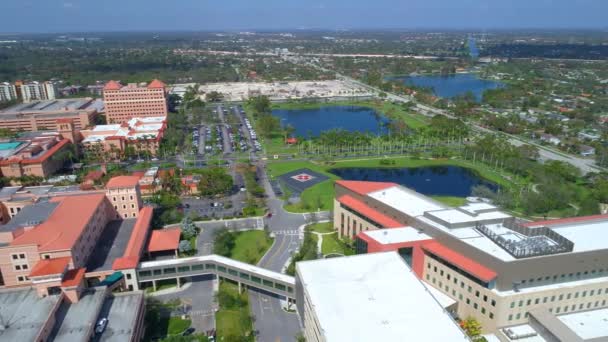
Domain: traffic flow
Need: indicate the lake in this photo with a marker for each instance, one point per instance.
(431, 181)
(450, 86)
(316, 120)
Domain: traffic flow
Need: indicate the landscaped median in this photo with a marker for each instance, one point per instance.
(233, 319)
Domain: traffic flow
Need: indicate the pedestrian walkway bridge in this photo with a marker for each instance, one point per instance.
(240, 272)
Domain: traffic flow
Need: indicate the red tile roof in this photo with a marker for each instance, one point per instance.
(73, 277)
(364, 188)
(369, 212)
(45, 267)
(112, 85)
(164, 239)
(122, 182)
(132, 253)
(65, 224)
(138, 174)
(156, 84)
(468, 265)
(567, 220)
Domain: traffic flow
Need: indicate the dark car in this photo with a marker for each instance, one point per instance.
(188, 331)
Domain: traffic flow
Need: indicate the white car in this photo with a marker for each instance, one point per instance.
(101, 325)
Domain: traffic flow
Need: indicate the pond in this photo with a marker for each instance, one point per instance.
(449, 86)
(311, 122)
(431, 181)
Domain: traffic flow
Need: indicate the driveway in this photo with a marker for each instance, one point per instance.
(199, 297)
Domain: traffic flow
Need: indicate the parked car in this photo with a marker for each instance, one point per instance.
(188, 331)
(101, 325)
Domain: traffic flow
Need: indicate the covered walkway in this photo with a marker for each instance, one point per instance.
(240, 272)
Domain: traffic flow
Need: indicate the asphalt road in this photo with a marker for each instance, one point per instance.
(272, 323)
(199, 296)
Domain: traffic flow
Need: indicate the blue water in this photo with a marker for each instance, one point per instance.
(452, 85)
(315, 121)
(431, 181)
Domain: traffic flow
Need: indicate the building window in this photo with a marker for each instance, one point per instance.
(128, 275)
(510, 317)
(14, 256)
(518, 316)
(521, 303)
(17, 267)
(493, 303)
(477, 294)
(512, 305)
(483, 311)
(21, 256)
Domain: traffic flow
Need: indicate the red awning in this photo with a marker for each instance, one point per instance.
(370, 213)
(468, 265)
(164, 240)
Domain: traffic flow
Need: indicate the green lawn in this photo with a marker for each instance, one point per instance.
(163, 285)
(177, 325)
(325, 227)
(331, 244)
(232, 318)
(450, 200)
(322, 195)
(250, 246)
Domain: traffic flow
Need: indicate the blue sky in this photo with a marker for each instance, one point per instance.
(163, 15)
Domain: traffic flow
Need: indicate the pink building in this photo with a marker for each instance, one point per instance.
(94, 232)
(122, 103)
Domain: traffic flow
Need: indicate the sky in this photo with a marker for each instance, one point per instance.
(223, 15)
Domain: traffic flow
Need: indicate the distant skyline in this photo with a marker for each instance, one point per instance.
(39, 16)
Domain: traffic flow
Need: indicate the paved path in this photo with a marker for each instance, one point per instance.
(199, 297)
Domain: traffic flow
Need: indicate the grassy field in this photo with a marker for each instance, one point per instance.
(177, 325)
(331, 244)
(321, 196)
(232, 318)
(250, 246)
(325, 227)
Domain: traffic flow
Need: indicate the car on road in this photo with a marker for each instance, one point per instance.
(188, 331)
(101, 325)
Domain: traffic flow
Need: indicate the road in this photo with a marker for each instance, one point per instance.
(272, 323)
(198, 296)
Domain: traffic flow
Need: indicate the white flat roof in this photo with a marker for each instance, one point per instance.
(473, 238)
(587, 324)
(396, 235)
(457, 215)
(587, 236)
(113, 127)
(406, 201)
(374, 297)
